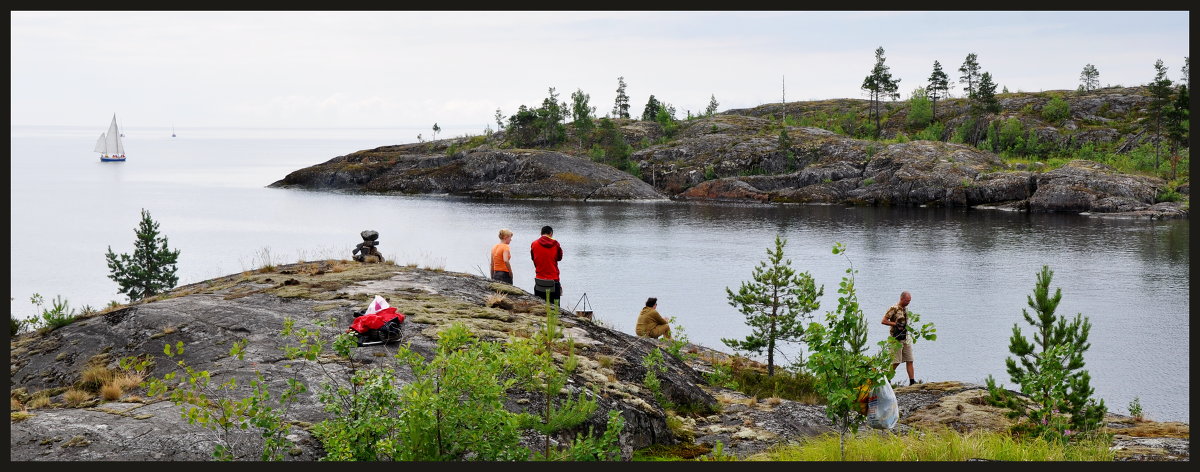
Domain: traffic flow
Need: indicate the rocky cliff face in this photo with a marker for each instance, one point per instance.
(48, 423)
(420, 169)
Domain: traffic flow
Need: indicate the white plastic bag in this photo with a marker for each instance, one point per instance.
(377, 305)
(882, 408)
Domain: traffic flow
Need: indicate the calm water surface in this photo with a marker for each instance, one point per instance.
(969, 271)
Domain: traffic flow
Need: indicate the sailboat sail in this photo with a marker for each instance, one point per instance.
(101, 144)
(113, 140)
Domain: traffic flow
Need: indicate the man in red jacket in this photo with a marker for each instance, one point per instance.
(546, 253)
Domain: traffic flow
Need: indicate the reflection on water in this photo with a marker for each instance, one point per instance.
(970, 271)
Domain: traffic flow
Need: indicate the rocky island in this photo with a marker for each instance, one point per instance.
(786, 153)
(59, 411)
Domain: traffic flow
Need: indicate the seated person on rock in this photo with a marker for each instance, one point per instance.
(652, 324)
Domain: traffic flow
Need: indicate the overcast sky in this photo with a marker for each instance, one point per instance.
(413, 69)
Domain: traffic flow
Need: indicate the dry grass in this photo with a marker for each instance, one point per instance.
(39, 400)
(14, 404)
(605, 361)
(774, 401)
(494, 298)
(126, 381)
(19, 416)
(748, 401)
(1153, 429)
(75, 396)
(110, 392)
(95, 376)
(164, 332)
(266, 259)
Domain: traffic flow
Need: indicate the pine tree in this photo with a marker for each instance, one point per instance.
(970, 74)
(939, 87)
(436, 129)
(1090, 78)
(712, 105)
(621, 107)
(985, 95)
(499, 120)
(1160, 102)
(1053, 378)
(651, 110)
(775, 304)
(880, 84)
(151, 268)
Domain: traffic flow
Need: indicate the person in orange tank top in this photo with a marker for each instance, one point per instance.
(501, 256)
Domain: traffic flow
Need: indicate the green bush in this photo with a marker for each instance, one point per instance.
(1167, 194)
(920, 110)
(596, 153)
(1135, 409)
(961, 132)
(58, 315)
(1056, 110)
(933, 132)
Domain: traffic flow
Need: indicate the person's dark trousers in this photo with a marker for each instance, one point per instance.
(554, 295)
(502, 276)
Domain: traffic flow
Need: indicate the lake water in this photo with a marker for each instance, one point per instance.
(969, 271)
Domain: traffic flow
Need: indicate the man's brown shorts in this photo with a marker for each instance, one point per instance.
(902, 354)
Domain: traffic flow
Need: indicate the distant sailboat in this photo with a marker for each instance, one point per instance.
(109, 144)
(172, 130)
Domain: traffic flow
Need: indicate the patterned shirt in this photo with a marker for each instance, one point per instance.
(898, 314)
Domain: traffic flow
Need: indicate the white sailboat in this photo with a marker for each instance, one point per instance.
(109, 144)
(172, 130)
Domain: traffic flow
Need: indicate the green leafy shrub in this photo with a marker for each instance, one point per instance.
(839, 360)
(1056, 110)
(920, 110)
(653, 362)
(58, 315)
(1135, 409)
(1167, 194)
(933, 132)
(216, 407)
(678, 340)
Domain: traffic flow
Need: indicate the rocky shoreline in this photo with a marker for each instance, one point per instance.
(208, 317)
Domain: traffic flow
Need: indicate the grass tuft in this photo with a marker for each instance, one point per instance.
(39, 400)
(74, 397)
(110, 392)
(95, 376)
